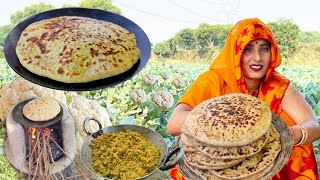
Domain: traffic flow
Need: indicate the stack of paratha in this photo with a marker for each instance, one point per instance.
(230, 137)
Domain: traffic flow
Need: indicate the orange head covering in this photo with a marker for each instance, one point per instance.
(228, 63)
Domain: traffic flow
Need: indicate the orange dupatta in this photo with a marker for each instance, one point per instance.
(225, 76)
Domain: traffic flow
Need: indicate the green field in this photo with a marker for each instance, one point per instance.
(123, 109)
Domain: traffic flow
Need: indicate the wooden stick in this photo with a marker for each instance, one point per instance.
(54, 164)
(30, 155)
(45, 156)
(39, 157)
(82, 173)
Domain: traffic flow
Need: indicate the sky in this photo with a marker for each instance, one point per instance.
(161, 19)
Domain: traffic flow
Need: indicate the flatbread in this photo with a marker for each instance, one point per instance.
(74, 49)
(41, 109)
(206, 174)
(260, 175)
(201, 161)
(253, 164)
(189, 141)
(234, 152)
(186, 147)
(235, 119)
(190, 149)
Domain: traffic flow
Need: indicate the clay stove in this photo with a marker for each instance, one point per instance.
(16, 145)
(36, 136)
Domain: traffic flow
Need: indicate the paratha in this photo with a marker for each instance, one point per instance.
(41, 109)
(201, 161)
(256, 163)
(186, 147)
(190, 149)
(229, 152)
(189, 141)
(206, 174)
(234, 152)
(235, 119)
(74, 49)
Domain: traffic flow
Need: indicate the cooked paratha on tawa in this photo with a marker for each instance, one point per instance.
(41, 109)
(73, 49)
(235, 119)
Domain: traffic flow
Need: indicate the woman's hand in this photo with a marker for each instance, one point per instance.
(299, 110)
(177, 119)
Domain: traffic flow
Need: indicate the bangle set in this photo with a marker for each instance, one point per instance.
(304, 133)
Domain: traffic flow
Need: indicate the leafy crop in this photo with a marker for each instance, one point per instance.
(152, 80)
(7, 74)
(123, 109)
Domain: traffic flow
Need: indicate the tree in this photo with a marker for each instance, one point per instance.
(204, 35)
(185, 39)
(172, 45)
(4, 31)
(211, 36)
(105, 5)
(166, 48)
(162, 49)
(28, 11)
(309, 37)
(221, 34)
(286, 33)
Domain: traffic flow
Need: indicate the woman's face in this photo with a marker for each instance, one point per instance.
(256, 58)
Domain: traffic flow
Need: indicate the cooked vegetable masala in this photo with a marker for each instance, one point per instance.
(123, 155)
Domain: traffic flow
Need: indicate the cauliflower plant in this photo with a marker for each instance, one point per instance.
(20, 90)
(149, 79)
(139, 96)
(174, 68)
(81, 108)
(179, 82)
(165, 75)
(163, 99)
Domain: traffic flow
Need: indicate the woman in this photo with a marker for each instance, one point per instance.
(247, 64)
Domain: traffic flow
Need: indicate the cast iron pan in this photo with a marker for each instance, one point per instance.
(18, 116)
(142, 42)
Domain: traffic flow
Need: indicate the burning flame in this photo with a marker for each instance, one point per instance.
(46, 132)
(33, 130)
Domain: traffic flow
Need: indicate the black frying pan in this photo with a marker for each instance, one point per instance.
(17, 114)
(142, 42)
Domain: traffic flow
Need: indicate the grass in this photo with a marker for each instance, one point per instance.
(307, 55)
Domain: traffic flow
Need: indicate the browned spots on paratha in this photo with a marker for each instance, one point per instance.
(85, 49)
(256, 163)
(231, 120)
(201, 161)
